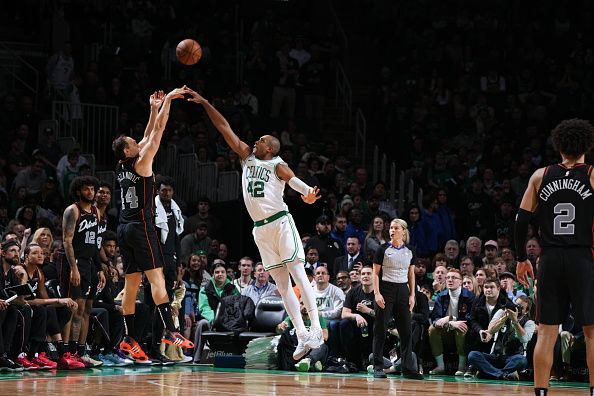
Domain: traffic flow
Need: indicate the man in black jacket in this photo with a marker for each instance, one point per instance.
(328, 247)
(492, 300)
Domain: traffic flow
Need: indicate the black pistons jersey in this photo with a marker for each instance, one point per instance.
(84, 241)
(101, 228)
(566, 206)
(137, 194)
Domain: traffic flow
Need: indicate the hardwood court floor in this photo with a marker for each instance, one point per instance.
(202, 380)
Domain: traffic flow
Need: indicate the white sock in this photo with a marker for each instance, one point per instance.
(283, 283)
(307, 293)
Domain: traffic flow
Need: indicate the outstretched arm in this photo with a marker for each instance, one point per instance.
(308, 194)
(236, 144)
(527, 208)
(144, 165)
(155, 101)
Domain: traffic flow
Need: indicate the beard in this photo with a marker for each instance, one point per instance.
(86, 200)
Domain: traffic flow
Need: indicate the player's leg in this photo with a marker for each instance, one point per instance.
(292, 254)
(159, 293)
(283, 283)
(297, 271)
(589, 337)
(581, 279)
(553, 299)
(543, 354)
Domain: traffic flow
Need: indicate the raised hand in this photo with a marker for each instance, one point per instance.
(312, 196)
(156, 99)
(195, 96)
(178, 92)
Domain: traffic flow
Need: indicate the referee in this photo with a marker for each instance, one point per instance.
(394, 289)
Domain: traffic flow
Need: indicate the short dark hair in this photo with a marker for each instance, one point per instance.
(493, 280)
(165, 181)
(107, 185)
(573, 137)
(119, 144)
(80, 181)
(203, 198)
(109, 236)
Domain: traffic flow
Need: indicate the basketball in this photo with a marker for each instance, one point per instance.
(188, 52)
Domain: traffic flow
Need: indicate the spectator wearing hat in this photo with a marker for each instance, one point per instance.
(198, 240)
(491, 251)
(508, 286)
(345, 206)
(328, 247)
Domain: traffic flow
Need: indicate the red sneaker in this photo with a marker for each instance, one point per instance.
(26, 363)
(79, 359)
(67, 362)
(131, 348)
(40, 363)
(174, 338)
(42, 357)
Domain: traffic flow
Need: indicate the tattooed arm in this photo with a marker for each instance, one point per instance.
(68, 227)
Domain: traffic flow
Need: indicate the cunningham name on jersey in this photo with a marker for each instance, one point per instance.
(565, 184)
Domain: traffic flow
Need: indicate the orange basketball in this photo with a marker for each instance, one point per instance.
(188, 52)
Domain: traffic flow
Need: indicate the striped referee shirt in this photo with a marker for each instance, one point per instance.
(395, 262)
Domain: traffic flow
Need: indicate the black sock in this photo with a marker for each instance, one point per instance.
(33, 348)
(157, 332)
(164, 311)
(540, 391)
(73, 347)
(129, 327)
(81, 349)
(61, 347)
(591, 390)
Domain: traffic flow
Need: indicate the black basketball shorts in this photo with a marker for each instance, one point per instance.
(87, 289)
(140, 247)
(565, 279)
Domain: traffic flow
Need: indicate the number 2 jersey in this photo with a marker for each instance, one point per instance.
(137, 194)
(566, 206)
(262, 189)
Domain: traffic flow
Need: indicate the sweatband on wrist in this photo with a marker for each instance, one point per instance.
(520, 233)
(298, 185)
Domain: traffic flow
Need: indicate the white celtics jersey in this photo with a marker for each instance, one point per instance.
(262, 189)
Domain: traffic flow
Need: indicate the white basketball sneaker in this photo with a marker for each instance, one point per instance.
(302, 345)
(315, 338)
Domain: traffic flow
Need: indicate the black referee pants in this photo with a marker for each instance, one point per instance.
(396, 300)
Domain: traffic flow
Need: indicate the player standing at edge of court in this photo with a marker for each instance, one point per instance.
(561, 196)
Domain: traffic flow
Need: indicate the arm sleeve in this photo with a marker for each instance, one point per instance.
(521, 232)
(298, 185)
